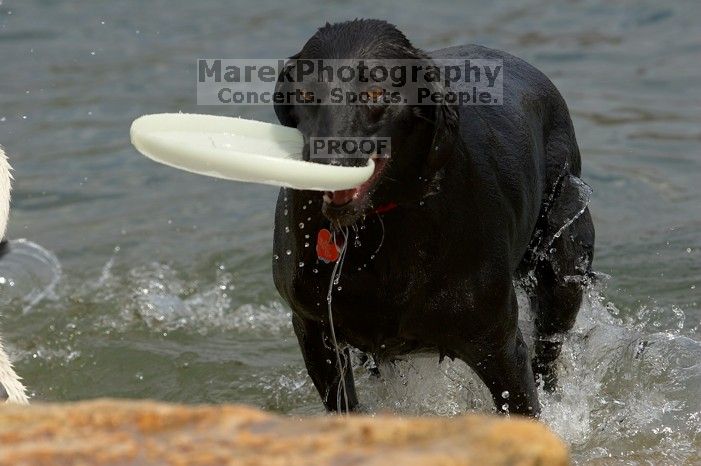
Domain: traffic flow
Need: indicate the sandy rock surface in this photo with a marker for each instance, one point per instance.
(117, 432)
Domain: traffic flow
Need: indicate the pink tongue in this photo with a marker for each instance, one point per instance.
(342, 197)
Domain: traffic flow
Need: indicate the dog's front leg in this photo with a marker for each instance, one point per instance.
(506, 370)
(337, 392)
(500, 357)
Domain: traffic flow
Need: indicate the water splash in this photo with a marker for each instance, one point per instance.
(627, 392)
(629, 387)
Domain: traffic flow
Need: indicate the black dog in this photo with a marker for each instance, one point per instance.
(471, 199)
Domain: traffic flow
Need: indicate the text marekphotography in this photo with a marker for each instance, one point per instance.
(349, 82)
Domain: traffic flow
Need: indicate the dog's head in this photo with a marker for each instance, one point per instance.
(421, 137)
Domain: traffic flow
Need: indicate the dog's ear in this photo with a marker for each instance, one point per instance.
(445, 120)
(285, 111)
(445, 138)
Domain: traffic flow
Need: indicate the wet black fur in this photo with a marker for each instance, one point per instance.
(473, 184)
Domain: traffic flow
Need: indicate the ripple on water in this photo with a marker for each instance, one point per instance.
(28, 273)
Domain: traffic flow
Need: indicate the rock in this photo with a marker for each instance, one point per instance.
(113, 432)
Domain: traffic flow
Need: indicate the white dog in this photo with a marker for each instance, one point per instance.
(11, 388)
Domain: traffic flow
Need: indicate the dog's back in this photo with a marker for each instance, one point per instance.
(525, 143)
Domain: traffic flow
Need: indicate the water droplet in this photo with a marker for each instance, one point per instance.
(288, 252)
(688, 250)
(276, 257)
(304, 207)
(285, 212)
(301, 226)
(287, 229)
(339, 288)
(306, 245)
(301, 264)
(315, 270)
(505, 407)
(505, 394)
(309, 202)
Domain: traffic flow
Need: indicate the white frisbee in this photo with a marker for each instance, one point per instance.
(240, 150)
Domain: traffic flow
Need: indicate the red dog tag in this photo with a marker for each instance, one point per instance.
(326, 248)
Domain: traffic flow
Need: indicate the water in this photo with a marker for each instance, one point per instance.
(163, 285)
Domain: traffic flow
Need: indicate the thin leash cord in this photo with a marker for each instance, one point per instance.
(341, 259)
(335, 277)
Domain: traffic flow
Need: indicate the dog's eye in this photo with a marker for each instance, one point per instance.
(375, 94)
